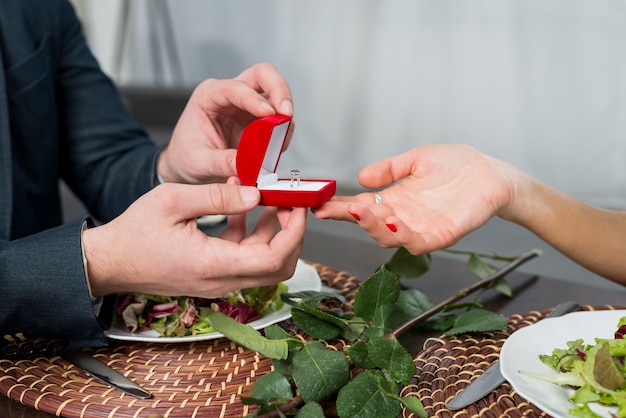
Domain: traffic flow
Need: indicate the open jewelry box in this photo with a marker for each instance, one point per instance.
(257, 159)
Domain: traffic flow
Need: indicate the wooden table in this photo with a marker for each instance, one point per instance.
(446, 276)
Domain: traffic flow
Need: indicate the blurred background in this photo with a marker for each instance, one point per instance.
(539, 83)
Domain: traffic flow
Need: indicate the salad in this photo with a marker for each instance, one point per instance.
(596, 372)
(180, 316)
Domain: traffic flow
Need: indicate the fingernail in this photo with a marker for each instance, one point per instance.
(355, 216)
(249, 195)
(267, 106)
(392, 227)
(286, 108)
(233, 180)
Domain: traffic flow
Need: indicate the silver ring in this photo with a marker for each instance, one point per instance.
(295, 177)
(378, 198)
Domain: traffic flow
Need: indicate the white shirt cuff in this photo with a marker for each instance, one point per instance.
(96, 301)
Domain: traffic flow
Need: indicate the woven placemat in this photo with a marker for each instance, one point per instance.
(207, 379)
(447, 365)
(199, 379)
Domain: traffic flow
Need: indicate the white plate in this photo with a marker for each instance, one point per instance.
(304, 278)
(521, 352)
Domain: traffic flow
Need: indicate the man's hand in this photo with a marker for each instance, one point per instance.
(155, 246)
(203, 146)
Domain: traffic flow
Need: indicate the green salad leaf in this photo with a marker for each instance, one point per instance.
(247, 336)
(595, 372)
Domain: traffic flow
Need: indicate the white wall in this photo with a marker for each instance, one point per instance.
(540, 83)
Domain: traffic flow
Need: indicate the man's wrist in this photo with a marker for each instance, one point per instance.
(99, 267)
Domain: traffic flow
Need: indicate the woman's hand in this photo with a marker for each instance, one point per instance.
(434, 196)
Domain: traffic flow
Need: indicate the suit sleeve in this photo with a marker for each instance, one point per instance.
(44, 291)
(108, 159)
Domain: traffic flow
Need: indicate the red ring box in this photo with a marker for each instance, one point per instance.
(257, 159)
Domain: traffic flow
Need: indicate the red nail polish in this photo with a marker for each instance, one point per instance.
(392, 227)
(355, 216)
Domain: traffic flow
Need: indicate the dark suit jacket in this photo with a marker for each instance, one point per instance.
(60, 118)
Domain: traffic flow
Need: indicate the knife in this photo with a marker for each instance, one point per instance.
(492, 378)
(104, 373)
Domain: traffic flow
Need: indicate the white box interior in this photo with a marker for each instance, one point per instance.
(268, 179)
(305, 185)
